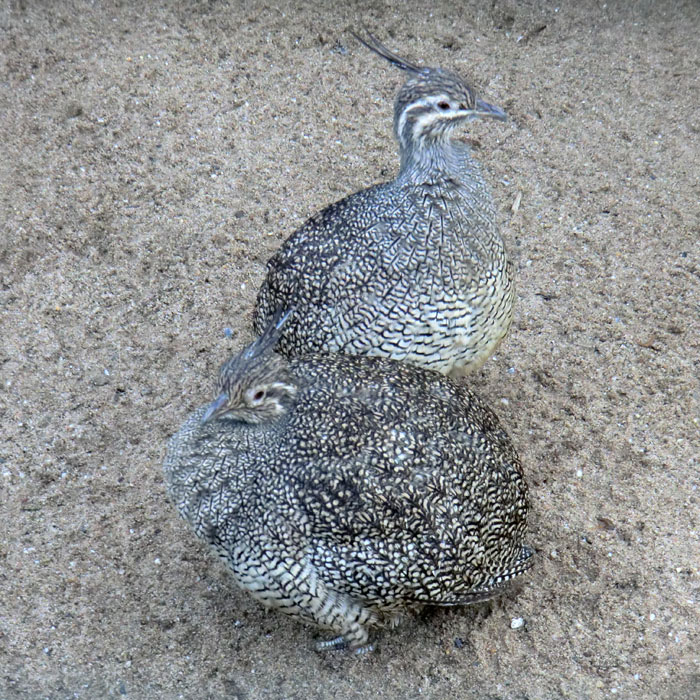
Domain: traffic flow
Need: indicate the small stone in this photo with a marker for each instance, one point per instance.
(100, 379)
(73, 109)
(516, 623)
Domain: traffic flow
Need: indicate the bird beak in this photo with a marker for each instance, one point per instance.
(214, 408)
(484, 109)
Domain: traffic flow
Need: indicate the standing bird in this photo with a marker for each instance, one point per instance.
(413, 269)
(343, 490)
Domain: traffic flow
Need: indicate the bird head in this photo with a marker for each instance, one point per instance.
(432, 102)
(255, 385)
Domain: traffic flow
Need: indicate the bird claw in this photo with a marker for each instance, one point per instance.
(366, 649)
(341, 643)
(335, 643)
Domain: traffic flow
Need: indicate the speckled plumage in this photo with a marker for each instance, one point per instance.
(413, 269)
(345, 489)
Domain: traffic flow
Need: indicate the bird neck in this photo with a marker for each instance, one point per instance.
(434, 161)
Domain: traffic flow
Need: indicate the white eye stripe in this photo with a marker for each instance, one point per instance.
(418, 104)
(282, 386)
(424, 121)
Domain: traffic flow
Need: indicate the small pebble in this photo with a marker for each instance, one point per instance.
(516, 623)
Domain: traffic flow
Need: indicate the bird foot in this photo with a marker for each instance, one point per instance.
(342, 643)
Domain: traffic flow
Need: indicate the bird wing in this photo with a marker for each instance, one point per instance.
(333, 258)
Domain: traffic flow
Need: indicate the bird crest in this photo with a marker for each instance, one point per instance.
(376, 46)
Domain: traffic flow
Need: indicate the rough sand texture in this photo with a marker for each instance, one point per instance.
(152, 160)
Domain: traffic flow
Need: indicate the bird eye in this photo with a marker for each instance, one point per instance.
(259, 395)
(443, 105)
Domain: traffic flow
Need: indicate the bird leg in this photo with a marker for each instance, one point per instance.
(294, 587)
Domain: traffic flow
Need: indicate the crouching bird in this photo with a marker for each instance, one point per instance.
(343, 490)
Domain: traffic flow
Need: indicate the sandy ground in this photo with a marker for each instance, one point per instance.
(151, 162)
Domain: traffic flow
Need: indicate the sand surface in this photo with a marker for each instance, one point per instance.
(151, 160)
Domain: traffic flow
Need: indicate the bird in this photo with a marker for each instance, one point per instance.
(348, 491)
(413, 269)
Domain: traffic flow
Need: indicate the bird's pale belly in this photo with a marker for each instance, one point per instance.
(451, 334)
